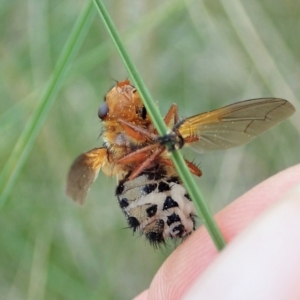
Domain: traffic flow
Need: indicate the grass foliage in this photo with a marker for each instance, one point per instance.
(199, 54)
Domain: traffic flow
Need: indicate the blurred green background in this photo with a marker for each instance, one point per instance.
(199, 54)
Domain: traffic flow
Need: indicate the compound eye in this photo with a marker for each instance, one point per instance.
(103, 111)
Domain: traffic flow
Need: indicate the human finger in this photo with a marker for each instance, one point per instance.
(193, 256)
(263, 262)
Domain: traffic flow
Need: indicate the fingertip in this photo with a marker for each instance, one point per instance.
(193, 256)
(240, 213)
(263, 260)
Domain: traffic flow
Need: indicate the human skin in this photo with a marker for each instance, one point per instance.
(262, 256)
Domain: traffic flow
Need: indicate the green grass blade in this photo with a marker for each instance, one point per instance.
(177, 158)
(27, 138)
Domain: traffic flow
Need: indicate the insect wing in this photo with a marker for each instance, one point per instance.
(235, 124)
(84, 172)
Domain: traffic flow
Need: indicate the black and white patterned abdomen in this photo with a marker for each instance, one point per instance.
(157, 205)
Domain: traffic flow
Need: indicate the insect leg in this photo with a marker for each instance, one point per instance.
(172, 114)
(136, 131)
(192, 167)
(147, 163)
(137, 155)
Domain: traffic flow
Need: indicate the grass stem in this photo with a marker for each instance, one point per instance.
(153, 111)
(28, 136)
